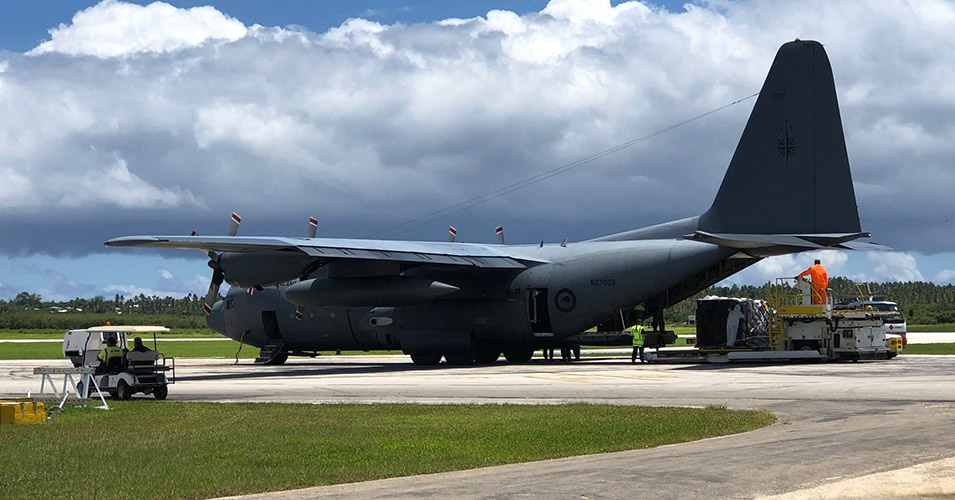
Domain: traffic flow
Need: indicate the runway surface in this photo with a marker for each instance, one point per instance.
(873, 429)
(913, 338)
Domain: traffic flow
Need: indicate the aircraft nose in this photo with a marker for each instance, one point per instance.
(216, 318)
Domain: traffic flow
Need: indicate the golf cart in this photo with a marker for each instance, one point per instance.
(144, 371)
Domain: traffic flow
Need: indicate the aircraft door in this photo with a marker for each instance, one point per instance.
(270, 323)
(537, 310)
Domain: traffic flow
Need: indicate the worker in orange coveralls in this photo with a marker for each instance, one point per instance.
(820, 281)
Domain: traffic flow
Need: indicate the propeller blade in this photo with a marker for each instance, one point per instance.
(452, 234)
(499, 231)
(312, 227)
(234, 224)
(213, 293)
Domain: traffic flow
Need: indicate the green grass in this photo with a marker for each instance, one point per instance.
(944, 327)
(225, 348)
(46, 333)
(148, 449)
(929, 349)
(171, 349)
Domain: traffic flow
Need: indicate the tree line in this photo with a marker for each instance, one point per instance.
(30, 311)
(923, 303)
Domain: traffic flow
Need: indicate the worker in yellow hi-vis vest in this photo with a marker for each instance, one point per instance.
(637, 331)
(110, 359)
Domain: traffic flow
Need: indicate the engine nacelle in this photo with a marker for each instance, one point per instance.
(366, 291)
(246, 270)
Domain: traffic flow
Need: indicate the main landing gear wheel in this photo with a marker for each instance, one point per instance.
(486, 356)
(278, 360)
(123, 390)
(426, 359)
(519, 355)
(161, 392)
(459, 359)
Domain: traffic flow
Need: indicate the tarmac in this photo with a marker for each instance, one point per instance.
(872, 429)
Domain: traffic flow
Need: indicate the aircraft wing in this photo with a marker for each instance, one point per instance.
(420, 252)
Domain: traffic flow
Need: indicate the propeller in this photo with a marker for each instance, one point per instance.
(499, 231)
(217, 276)
(452, 234)
(312, 230)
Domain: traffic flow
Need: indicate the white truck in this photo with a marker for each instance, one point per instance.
(893, 321)
(147, 372)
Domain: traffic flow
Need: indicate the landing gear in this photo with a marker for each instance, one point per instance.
(422, 359)
(459, 359)
(279, 359)
(519, 355)
(487, 356)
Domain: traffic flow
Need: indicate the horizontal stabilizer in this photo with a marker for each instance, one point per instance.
(867, 246)
(764, 245)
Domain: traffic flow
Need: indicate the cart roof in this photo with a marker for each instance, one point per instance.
(129, 329)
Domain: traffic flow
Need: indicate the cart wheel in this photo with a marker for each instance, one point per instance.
(161, 392)
(123, 390)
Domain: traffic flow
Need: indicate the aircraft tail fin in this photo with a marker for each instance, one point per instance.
(790, 172)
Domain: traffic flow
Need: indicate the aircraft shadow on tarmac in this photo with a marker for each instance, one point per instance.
(292, 370)
(246, 371)
(359, 368)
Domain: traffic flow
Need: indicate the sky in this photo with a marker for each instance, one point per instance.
(120, 118)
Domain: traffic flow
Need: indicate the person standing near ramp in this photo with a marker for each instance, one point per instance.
(637, 331)
(820, 281)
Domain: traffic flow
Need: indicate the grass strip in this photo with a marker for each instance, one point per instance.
(156, 450)
(929, 349)
(48, 333)
(171, 349)
(942, 327)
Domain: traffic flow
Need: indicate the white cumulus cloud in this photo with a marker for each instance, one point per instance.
(111, 28)
(945, 277)
(892, 266)
(180, 116)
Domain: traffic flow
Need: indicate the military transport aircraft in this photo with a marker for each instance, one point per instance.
(787, 189)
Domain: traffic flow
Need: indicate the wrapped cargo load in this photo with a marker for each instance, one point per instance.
(731, 323)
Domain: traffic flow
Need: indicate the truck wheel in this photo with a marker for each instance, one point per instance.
(124, 391)
(161, 392)
(113, 395)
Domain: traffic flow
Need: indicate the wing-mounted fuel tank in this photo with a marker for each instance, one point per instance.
(368, 291)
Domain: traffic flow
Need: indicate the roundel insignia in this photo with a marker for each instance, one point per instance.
(565, 300)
